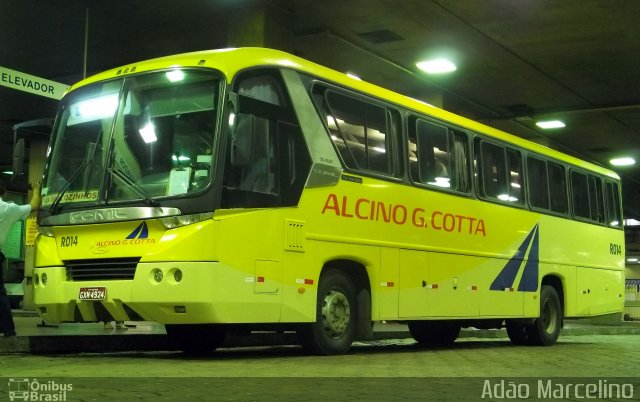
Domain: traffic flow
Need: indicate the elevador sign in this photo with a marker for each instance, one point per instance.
(32, 84)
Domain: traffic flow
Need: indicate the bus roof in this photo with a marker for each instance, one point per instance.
(232, 60)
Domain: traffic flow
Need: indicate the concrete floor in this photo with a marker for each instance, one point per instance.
(394, 369)
(386, 369)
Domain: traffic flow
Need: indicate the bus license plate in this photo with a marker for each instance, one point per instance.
(98, 293)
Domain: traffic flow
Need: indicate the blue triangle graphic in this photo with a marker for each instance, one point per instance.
(141, 232)
(507, 276)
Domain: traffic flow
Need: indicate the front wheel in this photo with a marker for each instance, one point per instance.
(334, 330)
(546, 328)
(196, 338)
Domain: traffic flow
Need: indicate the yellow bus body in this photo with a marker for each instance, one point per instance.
(427, 254)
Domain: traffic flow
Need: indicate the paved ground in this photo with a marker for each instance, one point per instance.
(393, 368)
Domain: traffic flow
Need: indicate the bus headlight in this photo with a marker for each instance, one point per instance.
(173, 222)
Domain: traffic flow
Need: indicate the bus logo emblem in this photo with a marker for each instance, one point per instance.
(140, 232)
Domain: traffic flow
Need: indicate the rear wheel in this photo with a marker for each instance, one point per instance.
(196, 338)
(434, 333)
(334, 330)
(546, 328)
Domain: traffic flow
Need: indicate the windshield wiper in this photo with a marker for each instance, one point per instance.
(55, 208)
(134, 186)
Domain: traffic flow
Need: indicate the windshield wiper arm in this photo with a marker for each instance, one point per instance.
(134, 186)
(55, 208)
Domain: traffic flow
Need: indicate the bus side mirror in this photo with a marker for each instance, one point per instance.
(18, 158)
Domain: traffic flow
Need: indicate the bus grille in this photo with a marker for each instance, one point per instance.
(101, 269)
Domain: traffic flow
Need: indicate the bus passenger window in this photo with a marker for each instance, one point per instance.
(612, 203)
(498, 172)
(595, 199)
(514, 176)
(438, 156)
(360, 131)
(558, 188)
(432, 153)
(538, 183)
(580, 195)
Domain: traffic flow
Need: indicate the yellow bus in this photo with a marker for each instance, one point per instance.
(247, 188)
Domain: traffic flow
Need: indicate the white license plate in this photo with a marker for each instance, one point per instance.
(97, 293)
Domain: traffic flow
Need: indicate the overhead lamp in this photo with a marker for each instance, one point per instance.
(436, 66)
(549, 124)
(624, 161)
(631, 222)
(7, 172)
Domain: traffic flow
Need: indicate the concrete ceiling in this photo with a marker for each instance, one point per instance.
(576, 60)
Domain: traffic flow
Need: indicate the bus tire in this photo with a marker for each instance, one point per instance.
(196, 339)
(334, 330)
(435, 333)
(517, 332)
(545, 329)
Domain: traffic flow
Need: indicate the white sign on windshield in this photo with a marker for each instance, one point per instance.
(31, 83)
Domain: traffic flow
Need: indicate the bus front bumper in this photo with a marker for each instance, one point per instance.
(168, 293)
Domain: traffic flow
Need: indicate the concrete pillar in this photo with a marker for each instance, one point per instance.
(262, 25)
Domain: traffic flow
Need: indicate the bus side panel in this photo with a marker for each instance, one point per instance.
(432, 283)
(599, 291)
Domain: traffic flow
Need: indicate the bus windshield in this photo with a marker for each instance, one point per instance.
(136, 138)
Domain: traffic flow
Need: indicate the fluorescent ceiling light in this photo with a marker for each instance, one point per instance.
(550, 124)
(625, 161)
(7, 172)
(632, 260)
(631, 222)
(438, 66)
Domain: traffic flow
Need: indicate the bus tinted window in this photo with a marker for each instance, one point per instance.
(267, 160)
(595, 199)
(614, 217)
(514, 169)
(538, 183)
(359, 131)
(497, 172)
(580, 195)
(438, 156)
(557, 188)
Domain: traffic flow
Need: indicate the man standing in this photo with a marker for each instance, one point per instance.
(11, 213)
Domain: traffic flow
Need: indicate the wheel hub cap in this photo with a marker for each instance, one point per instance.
(336, 313)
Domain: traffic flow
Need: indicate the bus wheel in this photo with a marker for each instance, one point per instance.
(517, 332)
(196, 338)
(546, 328)
(334, 330)
(434, 333)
